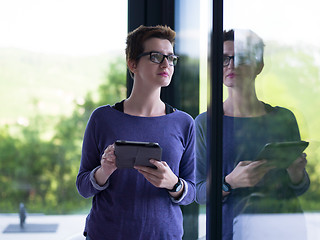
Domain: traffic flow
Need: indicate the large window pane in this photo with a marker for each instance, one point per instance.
(59, 60)
(187, 46)
(277, 207)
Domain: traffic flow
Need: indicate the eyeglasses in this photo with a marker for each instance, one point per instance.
(242, 59)
(157, 57)
(227, 59)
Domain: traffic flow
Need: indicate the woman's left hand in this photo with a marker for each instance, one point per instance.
(162, 177)
(296, 169)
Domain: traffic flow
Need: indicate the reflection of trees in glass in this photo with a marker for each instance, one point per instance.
(187, 89)
(291, 78)
(40, 172)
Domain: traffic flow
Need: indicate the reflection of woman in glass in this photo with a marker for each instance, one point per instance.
(248, 124)
(141, 203)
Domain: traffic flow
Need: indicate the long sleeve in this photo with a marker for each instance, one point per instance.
(303, 186)
(187, 168)
(90, 159)
(201, 158)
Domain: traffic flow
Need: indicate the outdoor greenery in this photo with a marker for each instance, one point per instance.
(39, 161)
(291, 79)
(41, 171)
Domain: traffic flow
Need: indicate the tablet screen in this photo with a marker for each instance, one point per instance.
(282, 154)
(131, 153)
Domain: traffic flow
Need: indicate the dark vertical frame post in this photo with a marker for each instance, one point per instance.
(215, 114)
(151, 13)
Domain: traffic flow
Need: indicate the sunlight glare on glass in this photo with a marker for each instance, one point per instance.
(269, 19)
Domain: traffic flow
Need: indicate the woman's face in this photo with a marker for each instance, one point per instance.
(229, 74)
(154, 74)
(239, 76)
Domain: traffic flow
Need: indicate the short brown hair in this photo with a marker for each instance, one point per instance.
(136, 38)
(257, 44)
(228, 35)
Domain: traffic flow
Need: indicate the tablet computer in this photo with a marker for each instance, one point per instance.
(282, 154)
(132, 153)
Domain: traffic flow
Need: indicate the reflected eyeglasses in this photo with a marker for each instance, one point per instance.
(227, 59)
(157, 57)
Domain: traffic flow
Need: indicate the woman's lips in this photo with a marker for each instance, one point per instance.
(164, 74)
(231, 75)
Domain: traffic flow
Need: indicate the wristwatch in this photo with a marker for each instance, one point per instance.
(226, 186)
(177, 187)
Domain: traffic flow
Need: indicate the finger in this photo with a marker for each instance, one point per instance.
(111, 159)
(151, 178)
(302, 161)
(157, 163)
(108, 154)
(110, 148)
(149, 175)
(257, 163)
(244, 163)
(108, 157)
(144, 169)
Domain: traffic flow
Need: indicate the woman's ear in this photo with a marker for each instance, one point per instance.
(132, 65)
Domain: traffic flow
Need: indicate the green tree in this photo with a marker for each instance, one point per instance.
(41, 172)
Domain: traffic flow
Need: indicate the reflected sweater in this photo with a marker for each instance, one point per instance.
(128, 206)
(243, 138)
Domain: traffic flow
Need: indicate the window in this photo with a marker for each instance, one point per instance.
(60, 59)
(289, 79)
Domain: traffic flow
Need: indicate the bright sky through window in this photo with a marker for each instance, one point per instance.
(73, 27)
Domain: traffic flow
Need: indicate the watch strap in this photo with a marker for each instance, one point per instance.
(177, 186)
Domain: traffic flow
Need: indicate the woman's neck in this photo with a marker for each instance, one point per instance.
(144, 104)
(243, 105)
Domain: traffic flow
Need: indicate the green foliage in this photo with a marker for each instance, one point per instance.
(40, 170)
(111, 92)
(39, 162)
(291, 79)
(185, 82)
(30, 80)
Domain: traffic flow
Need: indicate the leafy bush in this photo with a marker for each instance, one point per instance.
(41, 172)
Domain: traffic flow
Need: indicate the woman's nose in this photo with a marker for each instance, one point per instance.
(231, 63)
(165, 63)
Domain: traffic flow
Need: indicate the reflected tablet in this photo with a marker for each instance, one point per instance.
(282, 154)
(131, 153)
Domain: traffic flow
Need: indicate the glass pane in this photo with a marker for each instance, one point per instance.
(201, 121)
(186, 80)
(59, 60)
(271, 95)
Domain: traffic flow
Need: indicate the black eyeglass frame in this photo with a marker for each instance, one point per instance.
(174, 63)
(225, 57)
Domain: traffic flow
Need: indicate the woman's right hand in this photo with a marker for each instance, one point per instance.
(108, 165)
(108, 160)
(247, 174)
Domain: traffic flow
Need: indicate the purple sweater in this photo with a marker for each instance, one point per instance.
(242, 140)
(128, 206)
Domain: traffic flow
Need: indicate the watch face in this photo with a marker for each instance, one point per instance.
(225, 188)
(178, 186)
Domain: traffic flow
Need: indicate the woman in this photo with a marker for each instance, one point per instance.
(141, 202)
(248, 124)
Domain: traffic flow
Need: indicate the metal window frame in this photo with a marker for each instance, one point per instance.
(214, 123)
